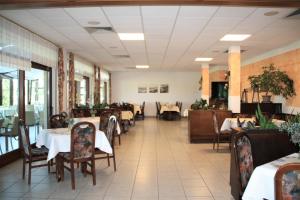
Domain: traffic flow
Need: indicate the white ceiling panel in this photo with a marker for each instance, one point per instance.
(90, 14)
(234, 12)
(174, 35)
(197, 11)
(122, 10)
(160, 11)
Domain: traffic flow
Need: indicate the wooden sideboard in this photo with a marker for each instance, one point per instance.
(270, 108)
(200, 124)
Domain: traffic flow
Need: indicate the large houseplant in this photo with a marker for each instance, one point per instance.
(274, 81)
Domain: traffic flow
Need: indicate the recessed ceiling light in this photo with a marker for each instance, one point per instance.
(93, 22)
(203, 59)
(235, 37)
(142, 66)
(271, 13)
(131, 36)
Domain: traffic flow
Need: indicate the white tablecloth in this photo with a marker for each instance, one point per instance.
(230, 123)
(169, 108)
(126, 115)
(261, 183)
(58, 140)
(95, 121)
(137, 108)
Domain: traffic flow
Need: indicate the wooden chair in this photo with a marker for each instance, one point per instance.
(117, 114)
(158, 107)
(64, 114)
(220, 136)
(32, 121)
(11, 131)
(110, 130)
(243, 159)
(58, 121)
(82, 151)
(141, 116)
(31, 155)
(287, 182)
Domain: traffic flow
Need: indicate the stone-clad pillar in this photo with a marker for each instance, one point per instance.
(61, 79)
(205, 82)
(234, 65)
(71, 82)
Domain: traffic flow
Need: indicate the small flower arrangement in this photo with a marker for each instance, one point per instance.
(292, 127)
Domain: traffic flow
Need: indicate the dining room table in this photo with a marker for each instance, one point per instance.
(261, 184)
(232, 123)
(137, 108)
(126, 115)
(95, 121)
(169, 108)
(58, 140)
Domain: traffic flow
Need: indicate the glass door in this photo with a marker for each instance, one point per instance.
(37, 99)
(9, 100)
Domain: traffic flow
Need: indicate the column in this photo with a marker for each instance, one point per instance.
(205, 81)
(71, 83)
(61, 79)
(234, 65)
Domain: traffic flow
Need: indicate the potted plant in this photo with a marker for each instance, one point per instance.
(201, 104)
(274, 81)
(292, 127)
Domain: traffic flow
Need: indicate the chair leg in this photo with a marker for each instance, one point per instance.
(108, 162)
(214, 142)
(72, 175)
(114, 159)
(218, 143)
(29, 172)
(11, 144)
(93, 171)
(24, 168)
(119, 136)
(49, 166)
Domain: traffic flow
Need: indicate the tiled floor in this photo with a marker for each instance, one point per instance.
(155, 161)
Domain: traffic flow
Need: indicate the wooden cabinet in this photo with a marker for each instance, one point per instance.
(269, 108)
(200, 124)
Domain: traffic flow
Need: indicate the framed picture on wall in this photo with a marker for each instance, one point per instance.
(142, 89)
(153, 88)
(164, 88)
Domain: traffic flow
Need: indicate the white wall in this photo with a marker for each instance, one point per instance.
(183, 86)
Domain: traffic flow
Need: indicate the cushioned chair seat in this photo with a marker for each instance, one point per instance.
(39, 151)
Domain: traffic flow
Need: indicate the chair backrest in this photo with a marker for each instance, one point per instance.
(25, 141)
(244, 158)
(83, 141)
(15, 127)
(143, 108)
(216, 123)
(180, 106)
(104, 118)
(58, 121)
(111, 129)
(287, 182)
(64, 114)
(30, 118)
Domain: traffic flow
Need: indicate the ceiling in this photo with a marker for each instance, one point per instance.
(174, 35)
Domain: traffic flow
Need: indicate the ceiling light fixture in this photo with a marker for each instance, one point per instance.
(142, 66)
(6, 46)
(203, 59)
(271, 13)
(235, 37)
(93, 23)
(131, 36)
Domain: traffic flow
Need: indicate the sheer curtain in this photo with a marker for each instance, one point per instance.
(18, 47)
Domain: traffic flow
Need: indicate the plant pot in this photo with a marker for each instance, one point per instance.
(266, 99)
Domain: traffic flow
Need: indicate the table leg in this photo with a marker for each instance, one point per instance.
(6, 143)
